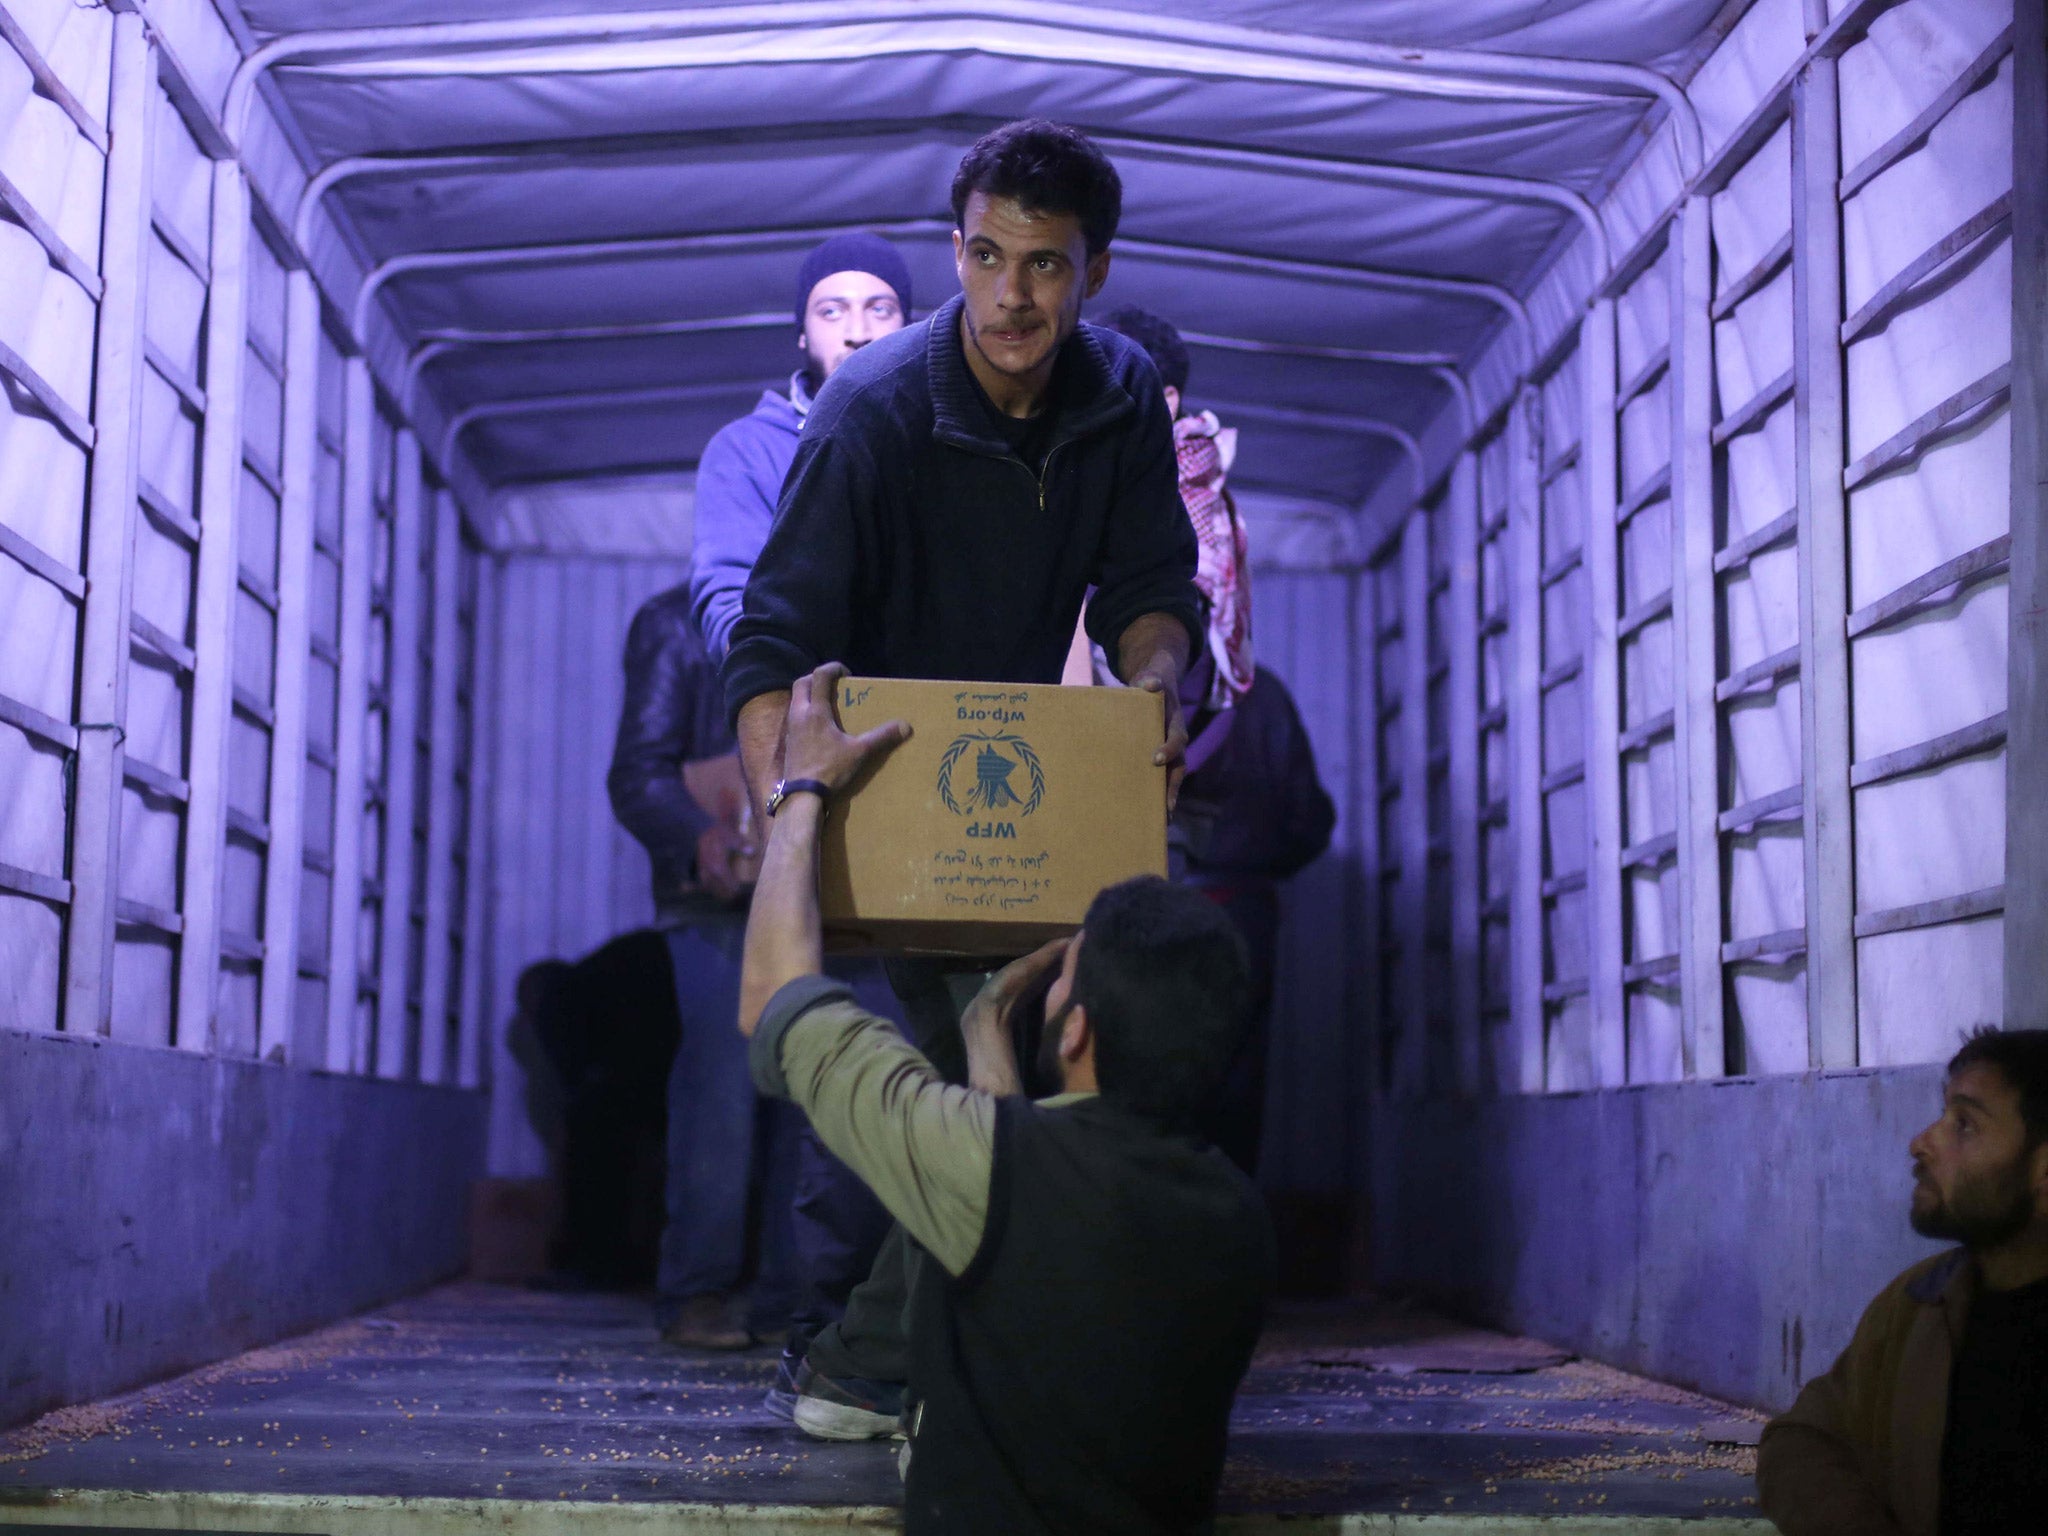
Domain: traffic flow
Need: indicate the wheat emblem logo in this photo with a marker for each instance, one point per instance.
(995, 765)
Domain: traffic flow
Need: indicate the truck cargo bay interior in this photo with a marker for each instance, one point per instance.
(1639, 408)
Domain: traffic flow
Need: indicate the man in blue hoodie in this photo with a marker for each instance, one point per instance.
(853, 289)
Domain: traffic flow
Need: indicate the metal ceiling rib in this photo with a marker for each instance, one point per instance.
(590, 400)
(1447, 183)
(683, 394)
(440, 343)
(1457, 184)
(1464, 290)
(1052, 33)
(436, 344)
(1337, 421)
(1059, 33)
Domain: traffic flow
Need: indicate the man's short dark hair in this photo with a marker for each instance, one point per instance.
(1048, 168)
(1160, 340)
(1163, 975)
(2021, 1058)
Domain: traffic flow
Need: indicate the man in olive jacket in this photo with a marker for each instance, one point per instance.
(1935, 1418)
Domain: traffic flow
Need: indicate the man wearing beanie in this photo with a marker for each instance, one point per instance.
(852, 290)
(673, 743)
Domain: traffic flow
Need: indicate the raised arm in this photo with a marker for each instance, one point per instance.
(783, 933)
(1810, 1478)
(924, 1146)
(987, 1027)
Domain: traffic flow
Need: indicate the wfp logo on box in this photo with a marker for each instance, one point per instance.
(979, 777)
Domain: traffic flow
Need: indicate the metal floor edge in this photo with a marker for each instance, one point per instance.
(199, 1514)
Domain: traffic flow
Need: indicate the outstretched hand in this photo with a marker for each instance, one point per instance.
(814, 746)
(784, 934)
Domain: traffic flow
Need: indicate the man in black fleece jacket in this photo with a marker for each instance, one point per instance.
(961, 484)
(958, 488)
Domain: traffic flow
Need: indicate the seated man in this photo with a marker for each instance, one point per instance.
(1936, 1415)
(1092, 1277)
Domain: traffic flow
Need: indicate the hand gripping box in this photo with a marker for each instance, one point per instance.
(992, 828)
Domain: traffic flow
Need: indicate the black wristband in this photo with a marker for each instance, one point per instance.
(787, 787)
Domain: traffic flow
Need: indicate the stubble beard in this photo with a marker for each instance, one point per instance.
(1985, 1212)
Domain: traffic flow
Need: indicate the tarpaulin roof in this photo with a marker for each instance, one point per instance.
(590, 233)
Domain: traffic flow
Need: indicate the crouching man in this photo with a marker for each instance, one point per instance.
(1936, 1416)
(1092, 1277)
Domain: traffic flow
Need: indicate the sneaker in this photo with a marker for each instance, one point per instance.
(707, 1321)
(848, 1408)
(789, 1375)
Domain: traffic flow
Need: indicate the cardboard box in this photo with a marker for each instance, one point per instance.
(993, 827)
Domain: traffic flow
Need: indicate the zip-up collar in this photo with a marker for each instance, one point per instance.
(1090, 398)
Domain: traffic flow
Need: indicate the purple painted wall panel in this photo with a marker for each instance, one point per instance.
(1307, 630)
(160, 1209)
(1725, 1235)
(564, 876)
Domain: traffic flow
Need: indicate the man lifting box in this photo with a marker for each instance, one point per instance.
(957, 489)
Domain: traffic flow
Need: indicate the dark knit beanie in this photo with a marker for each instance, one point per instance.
(857, 252)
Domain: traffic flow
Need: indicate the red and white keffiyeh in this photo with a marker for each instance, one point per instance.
(1205, 449)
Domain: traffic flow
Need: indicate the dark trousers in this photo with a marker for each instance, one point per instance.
(723, 1152)
(840, 1228)
(1240, 1122)
(840, 1225)
(872, 1339)
(751, 1192)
